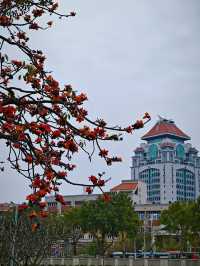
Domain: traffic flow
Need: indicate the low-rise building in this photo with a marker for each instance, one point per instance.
(137, 191)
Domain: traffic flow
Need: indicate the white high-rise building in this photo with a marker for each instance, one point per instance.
(169, 166)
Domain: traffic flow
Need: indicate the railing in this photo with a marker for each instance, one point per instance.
(91, 261)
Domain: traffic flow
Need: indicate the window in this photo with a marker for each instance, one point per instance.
(164, 156)
(153, 152)
(152, 179)
(185, 180)
(180, 152)
(171, 156)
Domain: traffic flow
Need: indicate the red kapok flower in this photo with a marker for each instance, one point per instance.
(37, 12)
(50, 23)
(88, 190)
(17, 63)
(36, 182)
(138, 124)
(9, 111)
(38, 140)
(80, 98)
(56, 134)
(42, 192)
(21, 136)
(101, 182)
(103, 153)
(129, 129)
(72, 13)
(32, 197)
(106, 197)
(22, 207)
(60, 199)
(5, 21)
(34, 26)
(70, 145)
(17, 145)
(62, 174)
(21, 35)
(146, 116)
(49, 174)
(29, 159)
(93, 179)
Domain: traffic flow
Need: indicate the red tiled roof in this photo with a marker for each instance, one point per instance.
(125, 186)
(165, 127)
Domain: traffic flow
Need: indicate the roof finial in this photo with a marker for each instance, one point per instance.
(162, 119)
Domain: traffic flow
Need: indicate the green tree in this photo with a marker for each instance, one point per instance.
(178, 219)
(70, 221)
(195, 225)
(115, 218)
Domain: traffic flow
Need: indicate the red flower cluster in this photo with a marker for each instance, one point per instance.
(106, 197)
(97, 182)
(79, 99)
(22, 207)
(56, 134)
(5, 21)
(93, 179)
(60, 199)
(103, 153)
(70, 145)
(17, 63)
(9, 111)
(37, 12)
(34, 26)
(88, 190)
(139, 124)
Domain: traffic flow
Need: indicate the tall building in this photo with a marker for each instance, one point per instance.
(167, 164)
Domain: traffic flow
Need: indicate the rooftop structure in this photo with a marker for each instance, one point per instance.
(165, 128)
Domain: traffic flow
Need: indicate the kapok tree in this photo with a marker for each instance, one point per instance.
(42, 123)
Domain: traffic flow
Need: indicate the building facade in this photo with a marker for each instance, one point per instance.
(167, 164)
(137, 191)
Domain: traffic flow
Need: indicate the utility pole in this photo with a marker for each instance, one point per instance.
(135, 250)
(144, 235)
(14, 234)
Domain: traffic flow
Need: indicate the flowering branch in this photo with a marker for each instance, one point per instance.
(42, 123)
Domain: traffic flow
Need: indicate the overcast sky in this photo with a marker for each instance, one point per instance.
(129, 57)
